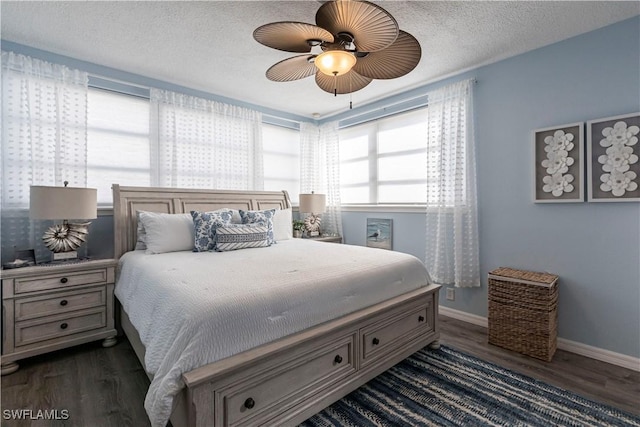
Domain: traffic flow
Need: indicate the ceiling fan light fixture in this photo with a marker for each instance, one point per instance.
(353, 43)
(335, 62)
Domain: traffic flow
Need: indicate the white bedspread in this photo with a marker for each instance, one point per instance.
(191, 309)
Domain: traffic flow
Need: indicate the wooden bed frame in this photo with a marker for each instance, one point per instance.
(286, 381)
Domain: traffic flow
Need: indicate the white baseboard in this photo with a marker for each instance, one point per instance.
(465, 317)
(603, 355)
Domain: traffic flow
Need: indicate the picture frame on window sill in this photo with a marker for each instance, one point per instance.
(613, 159)
(380, 233)
(558, 164)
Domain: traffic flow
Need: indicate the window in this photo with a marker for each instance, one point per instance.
(355, 165)
(384, 162)
(281, 147)
(117, 142)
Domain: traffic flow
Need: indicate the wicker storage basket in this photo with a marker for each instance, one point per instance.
(523, 311)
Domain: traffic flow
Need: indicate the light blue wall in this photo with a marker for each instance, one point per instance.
(593, 247)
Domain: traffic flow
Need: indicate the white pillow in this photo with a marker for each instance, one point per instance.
(167, 232)
(141, 239)
(235, 216)
(282, 225)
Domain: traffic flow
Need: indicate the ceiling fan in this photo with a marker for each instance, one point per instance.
(353, 43)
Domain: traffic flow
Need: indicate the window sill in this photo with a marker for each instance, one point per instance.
(385, 208)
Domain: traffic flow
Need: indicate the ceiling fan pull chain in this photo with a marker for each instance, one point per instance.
(335, 83)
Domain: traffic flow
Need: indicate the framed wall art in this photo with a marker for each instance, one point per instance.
(558, 170)
(379, 233)
(613, 169)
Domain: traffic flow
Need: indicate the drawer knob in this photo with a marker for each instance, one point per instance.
(421, 319)
(375, 341)
(64, 302)
(338, 359)
(64, 280)
(64, 326)
(249, 403)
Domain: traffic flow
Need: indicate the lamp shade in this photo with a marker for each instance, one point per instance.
(335, 62)
(63, 203)
(313, 203)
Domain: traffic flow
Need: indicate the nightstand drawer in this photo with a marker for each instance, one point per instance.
(60, 302)
(60, 280)
(31, 331)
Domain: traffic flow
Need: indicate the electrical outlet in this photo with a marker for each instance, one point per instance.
(451, 294)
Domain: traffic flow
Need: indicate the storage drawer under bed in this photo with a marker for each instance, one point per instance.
(384, 336)
(251, 400)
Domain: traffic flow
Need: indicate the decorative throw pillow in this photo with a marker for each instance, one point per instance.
(167, 232)
(205, 225)
(282, 225)
(265, 216)
(241, 236)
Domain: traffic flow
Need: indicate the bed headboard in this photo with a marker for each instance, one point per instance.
(128, 200)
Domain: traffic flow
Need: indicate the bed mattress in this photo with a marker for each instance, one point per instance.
(191, 309)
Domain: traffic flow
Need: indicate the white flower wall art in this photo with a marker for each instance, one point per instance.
(613, 168)
(558, 155)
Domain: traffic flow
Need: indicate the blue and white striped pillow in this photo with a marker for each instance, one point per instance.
(241, 236)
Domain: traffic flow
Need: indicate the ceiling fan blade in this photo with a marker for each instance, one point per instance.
(290, 69)
(395, 61)
(372, 27)
(291, 36)
(346, 83)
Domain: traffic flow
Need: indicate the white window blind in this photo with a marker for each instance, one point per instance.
(355, 165)
(281, 148)
(384, 162)
(117, 141)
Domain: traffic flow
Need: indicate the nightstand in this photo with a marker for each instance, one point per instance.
(47, 308)
(331, 239)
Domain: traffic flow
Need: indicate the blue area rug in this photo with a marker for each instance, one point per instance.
(448, 388)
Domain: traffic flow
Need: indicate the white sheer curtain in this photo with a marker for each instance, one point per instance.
(452, 255)
(200, 143)
(44, 129)
(44, 141)
(320, 170)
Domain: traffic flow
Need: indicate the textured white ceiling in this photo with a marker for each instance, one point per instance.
(208, 45)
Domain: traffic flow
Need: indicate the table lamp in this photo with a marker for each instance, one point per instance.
(64, 203)
(313, 204)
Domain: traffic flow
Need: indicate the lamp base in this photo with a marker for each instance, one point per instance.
(312, 225)
(65, 237)
(65, 256)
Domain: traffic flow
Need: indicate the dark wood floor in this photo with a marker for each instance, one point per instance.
(106, 386)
